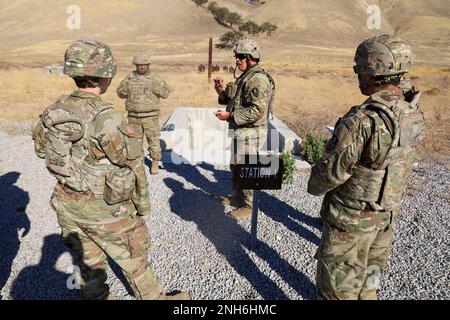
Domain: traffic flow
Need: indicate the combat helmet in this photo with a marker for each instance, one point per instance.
(141, 58)
(89, 58)
(248, 46)
(383, 55)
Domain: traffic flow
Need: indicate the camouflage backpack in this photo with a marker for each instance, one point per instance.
(67, 143)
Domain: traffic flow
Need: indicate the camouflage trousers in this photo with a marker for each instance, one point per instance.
(148, 127)
(350, 263)
(247, 141)
(125, 241)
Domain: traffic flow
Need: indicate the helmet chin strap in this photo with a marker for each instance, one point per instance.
(106, 86)
(363, 85)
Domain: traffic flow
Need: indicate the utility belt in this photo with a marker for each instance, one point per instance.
(251, 126)
(142, 107)
(143, 115)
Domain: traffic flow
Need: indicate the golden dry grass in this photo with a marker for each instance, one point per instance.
(308, 97)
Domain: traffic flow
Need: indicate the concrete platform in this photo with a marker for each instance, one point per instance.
(198, 136)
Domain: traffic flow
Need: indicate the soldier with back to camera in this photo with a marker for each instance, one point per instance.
(101, 193)
(364, 170)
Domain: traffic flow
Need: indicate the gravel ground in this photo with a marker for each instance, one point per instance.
(199, 249)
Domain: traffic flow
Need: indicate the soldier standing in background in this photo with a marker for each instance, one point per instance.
(364, 170)
(142, 90)
(101, 194)
(248, 102)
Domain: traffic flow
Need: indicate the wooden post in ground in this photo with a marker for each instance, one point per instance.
(210, 60)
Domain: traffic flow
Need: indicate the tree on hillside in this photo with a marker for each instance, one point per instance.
(212, 7)
(250, 27)
(268, 28)
(229, 39)
(221, 14)
(200, 2)
(233, 18)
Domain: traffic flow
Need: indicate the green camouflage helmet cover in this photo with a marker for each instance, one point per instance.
(141, 58)
(383, 55)
(89, 58)
(248, 46)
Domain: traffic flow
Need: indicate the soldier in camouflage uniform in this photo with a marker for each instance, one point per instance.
(364, 170)
(142, 90)
(248, 102)
(101, 194)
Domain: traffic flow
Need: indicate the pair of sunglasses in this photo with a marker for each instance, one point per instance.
(240, 56)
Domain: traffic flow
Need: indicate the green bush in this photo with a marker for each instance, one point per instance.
(288, 167)
(314, 147)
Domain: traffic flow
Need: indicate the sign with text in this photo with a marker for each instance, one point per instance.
(258, 172)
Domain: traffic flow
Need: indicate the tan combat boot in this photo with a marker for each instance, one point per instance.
(154, 169)
(227, 200)
(241, 213)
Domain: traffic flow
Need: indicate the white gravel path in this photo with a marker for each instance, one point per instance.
(197, 248)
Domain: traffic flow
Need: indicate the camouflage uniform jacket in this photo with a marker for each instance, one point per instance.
(111, 143)
(251, 101)
(360, 140)
(143, 93)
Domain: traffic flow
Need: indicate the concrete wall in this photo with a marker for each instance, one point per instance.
(200, 137)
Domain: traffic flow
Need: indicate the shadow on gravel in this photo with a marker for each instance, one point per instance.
(290, 217)
(43, 281)
(229, 238)
(13, 218)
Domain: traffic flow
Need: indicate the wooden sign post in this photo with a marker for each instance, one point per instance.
(210, 59)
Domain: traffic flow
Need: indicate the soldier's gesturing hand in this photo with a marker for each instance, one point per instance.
(222, 115)
(219, 85)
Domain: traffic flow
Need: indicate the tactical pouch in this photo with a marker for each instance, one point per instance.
(119, 186)
(133, 142)
(395, 185)
(62, 129)
(231, 90)
(57, 154)
(412, 126)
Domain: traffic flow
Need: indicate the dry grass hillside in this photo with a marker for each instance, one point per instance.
(335, 22)
(311, 55)
(343, 22)
(422, 22)
(37, 30)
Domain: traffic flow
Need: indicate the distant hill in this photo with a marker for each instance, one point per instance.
(420, 21)
(36, 30)
(344, 22)
(124, 19)
(30, 31)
